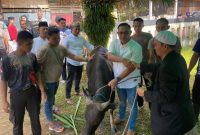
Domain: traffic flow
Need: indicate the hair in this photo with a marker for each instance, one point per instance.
(22, 21)
(163, 21)
(124, 25)
(52, 30)
(140, 20)
(61, 19)
(75, 25)
(24, 36)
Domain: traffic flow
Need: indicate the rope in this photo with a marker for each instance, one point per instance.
(130, 114)
(117, 83)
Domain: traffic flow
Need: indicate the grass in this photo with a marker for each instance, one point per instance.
(143, 120)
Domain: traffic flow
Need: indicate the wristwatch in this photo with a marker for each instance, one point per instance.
(118, 79)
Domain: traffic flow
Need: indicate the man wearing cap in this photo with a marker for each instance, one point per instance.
(171, 106)
(40, 41)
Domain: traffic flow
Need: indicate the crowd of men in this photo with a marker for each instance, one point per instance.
(34, 68)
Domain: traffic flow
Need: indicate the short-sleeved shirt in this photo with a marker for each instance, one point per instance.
(51, 61)
(64, 33)
(38, 43)
(75, 45)
(143, 40)
(132, 51)
(18, 70)
(197, 50)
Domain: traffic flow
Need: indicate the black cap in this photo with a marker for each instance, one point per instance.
(43, 24)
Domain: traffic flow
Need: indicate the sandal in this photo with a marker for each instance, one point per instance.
(56, 127)
(69, 101)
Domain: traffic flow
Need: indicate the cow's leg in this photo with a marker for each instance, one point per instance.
(113, 127)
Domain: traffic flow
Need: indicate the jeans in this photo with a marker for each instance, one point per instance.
(129, 94)
(21, 100)
(73, 71)
(51, 91)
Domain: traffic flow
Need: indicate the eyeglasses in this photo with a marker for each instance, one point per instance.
(123, 33)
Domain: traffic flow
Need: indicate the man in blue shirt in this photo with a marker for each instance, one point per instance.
(75, 44)
(196, 86)
(64, 32)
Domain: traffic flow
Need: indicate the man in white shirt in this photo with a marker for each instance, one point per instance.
(42, 39)
(75, 44)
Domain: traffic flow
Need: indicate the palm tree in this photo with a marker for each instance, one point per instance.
(99, 21)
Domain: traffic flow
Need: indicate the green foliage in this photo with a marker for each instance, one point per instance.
(99, 21)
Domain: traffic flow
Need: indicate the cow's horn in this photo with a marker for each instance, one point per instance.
(88, 101)
(102, 106)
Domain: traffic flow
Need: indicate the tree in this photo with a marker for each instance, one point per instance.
(99, 21)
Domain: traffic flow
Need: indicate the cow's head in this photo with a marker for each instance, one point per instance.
(94, 114)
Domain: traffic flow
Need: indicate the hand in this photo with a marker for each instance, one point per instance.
(140, 91)
(44, 96)
(113, 84)
(6, 107)
(90, 57)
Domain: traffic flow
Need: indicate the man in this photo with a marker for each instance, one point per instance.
(50, 57)
(161, 24)
(64, 32)
(143, 39)
(171, 107)
(23, 25)
(29, 25)
(18, 72)
(196, 85)
(40, 41)
(75, 44)
(40, 17)
(126, 48)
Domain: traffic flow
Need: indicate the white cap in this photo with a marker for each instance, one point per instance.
(166, 37)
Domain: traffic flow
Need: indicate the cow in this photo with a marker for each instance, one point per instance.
(99, 97)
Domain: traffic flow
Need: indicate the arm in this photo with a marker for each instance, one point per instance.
(75, 57)
(193, 61)
(3, 93)
(126, 72)
(167, 90)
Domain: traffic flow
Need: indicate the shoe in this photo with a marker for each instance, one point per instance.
(56, 127)
(69, 101)
(63, 81)
(117, 121)
(130, 133)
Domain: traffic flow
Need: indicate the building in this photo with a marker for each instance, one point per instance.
(69, 9)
